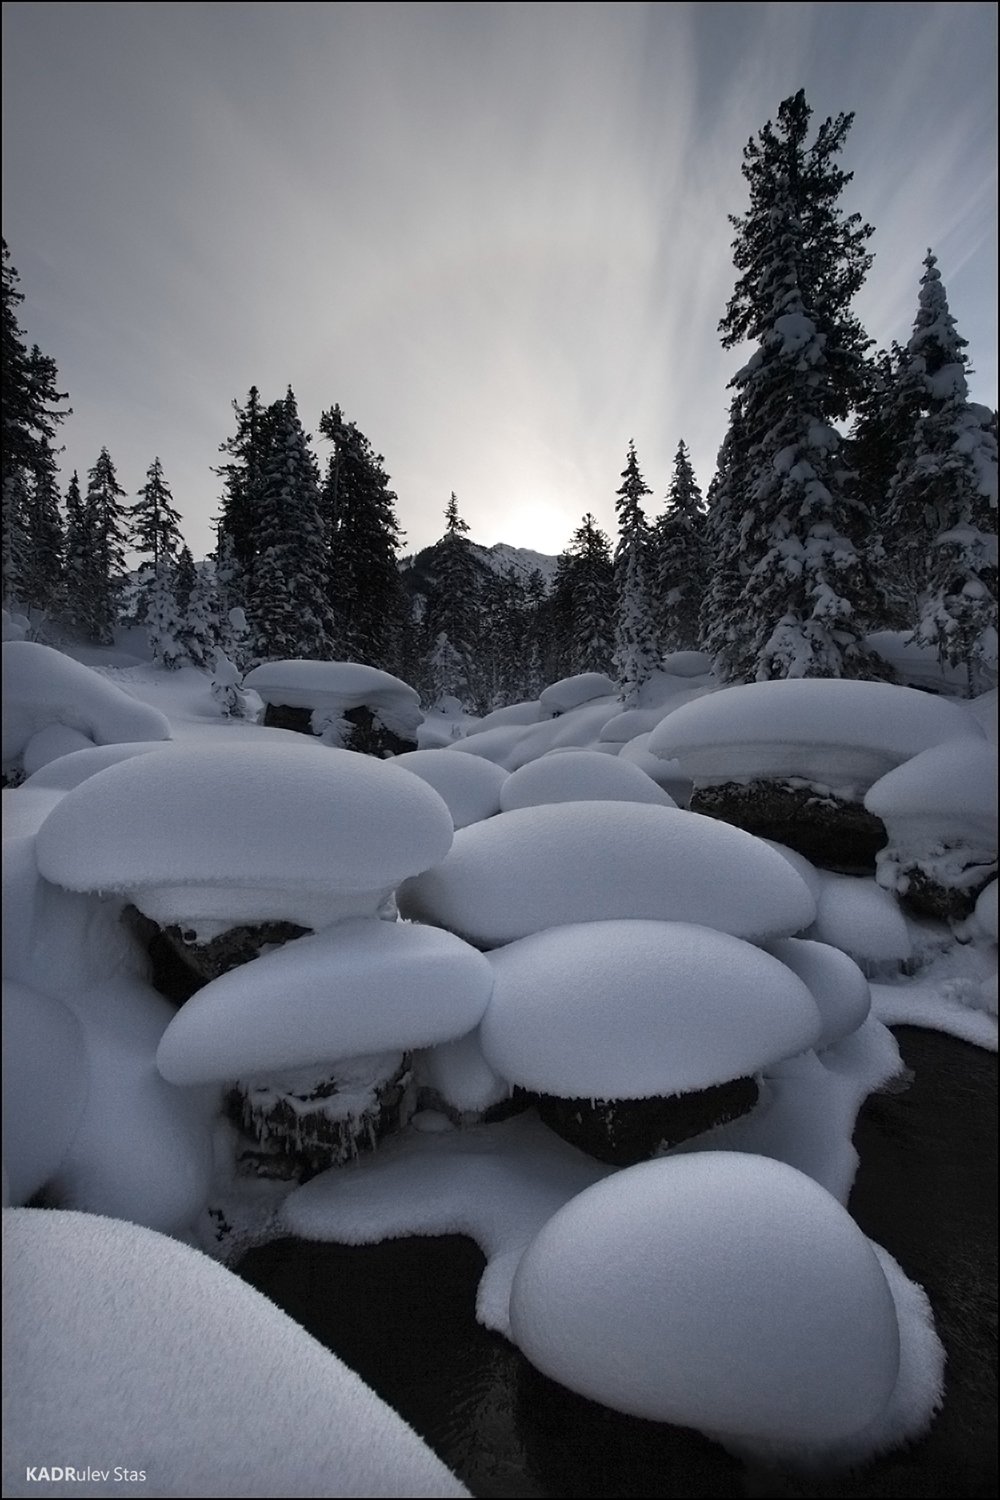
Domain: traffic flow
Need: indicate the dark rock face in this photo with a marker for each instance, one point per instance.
(301, 1129)
(181, 967)
(12, 776)
(831, 833)
(625, 1131)
(927, 897)
(515, 1104)
(367, 736)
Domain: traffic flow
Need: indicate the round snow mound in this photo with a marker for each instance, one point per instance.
(580, 776)
(634, 1010)
(717, 1290)
(839, 988)
(467, 783)
(571, 862)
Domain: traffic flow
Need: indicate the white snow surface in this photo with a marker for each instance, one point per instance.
(529, 712)
(984, 711)
(986, 910)
(330, 688)
(834, 733)
(45, 1085)
(723, 1291)
(572, 862)
(838, 987)
(459, 1074)
(633, 1009)
(570, 692)
(50, 743)
(76, 766)
(468, 784)
(25, 809)
(948, 790)
(358, 987)
(686, 664)
(855, 914)
(135, 1350)
(43, 687)
(579, 776)
(266, 832)
(917, 666)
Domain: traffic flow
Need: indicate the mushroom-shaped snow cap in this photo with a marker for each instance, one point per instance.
(724, 1291)
(334, 687)
(469, 784)
(361, 987)
(840, 990)
(257, 832)
(69, 770)
(580, 776)
(636, 1010)
(570, 692)
(43, 687)
(836, 733)
(947, 793)
(571, 862)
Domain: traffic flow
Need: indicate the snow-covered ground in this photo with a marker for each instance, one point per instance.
(564, 925)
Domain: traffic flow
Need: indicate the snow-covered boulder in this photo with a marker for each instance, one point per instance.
(984, 710)
(570, 692)
(571, 862)
(940, 812)
(854, 914)
(986, 911)
(836, 983)
(715, 1290)
(349, 705)
(512, 714)
(45, 1085)
(686, 664)
(594, 1015)
(791, 760)
(175, 1363)
(666, 773)
(579, 776)
(455, 1079)
(208, 840)
(359, 987)
(77, 765)
(467, 783)
(52, 704)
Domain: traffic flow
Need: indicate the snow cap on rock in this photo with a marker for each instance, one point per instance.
(636, 1010)
(724, 1291)
(335, 687)
(839, 988)
(830, 731)
(579, 776)
(360, 987)
(212, 838)
(467, 783)
(572, 862)
(950, 790)
(570, 692)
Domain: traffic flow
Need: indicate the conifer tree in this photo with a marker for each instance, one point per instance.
(943, 497)
(802, 595)
(288, 597)
(107, 536)
(243, 476)
(155, 521)
(636, 654)
(42, 573)
(558, 616)
(162, 618)
(15, 538)
(680, 563)
(367, 598)
(452, 620)
(201, 625)
(885, 413)
(592, 599)
(77, 559)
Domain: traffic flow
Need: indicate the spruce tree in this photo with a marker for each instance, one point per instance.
(288, 599)
(366, 595)
(155, 521)
(884, 416)
(107, 535)
(680, 563)
(78, 551)
(802, 594)
(201, 624)
(943, 497)
(452, 619)
(162, 618)
(592, 599)
(243, 476)
(636, 654)
(42, 573)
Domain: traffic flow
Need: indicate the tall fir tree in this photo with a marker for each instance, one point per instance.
(288, 599)
(680, 560)
(943, 497)
(162, 618)
(155, 520)
(592, 599)
(367, 597)
(799, 543)
(558, 623)
(76, 567)
(243, 475)
(884, 416)
(636, 653)
(452, 620)
(107, 535)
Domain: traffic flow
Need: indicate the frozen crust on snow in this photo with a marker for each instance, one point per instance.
(112, 1328)
(572, 862)
(834, 733)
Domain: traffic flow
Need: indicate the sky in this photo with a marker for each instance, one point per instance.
(495, 234)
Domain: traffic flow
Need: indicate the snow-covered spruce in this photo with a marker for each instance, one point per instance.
(631, 1034)
(345, 703)
(792, 761)
(53, 705)
(729, 1293)
(111, 1328)
(940, 811)
(543, 867)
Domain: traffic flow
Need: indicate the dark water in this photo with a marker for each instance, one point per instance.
(402, 1315)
